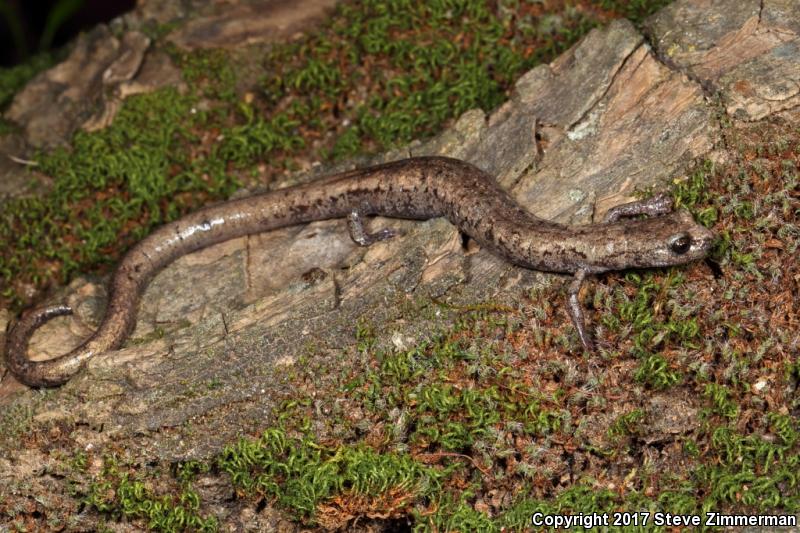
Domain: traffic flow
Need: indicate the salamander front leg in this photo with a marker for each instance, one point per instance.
(576, 311)
(660, 204)
(359, 234)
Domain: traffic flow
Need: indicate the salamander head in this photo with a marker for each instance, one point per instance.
(672, 239)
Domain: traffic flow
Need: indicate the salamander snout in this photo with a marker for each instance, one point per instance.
(666, 240)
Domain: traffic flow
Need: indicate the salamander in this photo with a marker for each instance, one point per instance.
(415, 188)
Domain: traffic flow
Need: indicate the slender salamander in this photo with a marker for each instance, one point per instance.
(416, 188)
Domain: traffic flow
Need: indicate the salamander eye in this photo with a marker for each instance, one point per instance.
(680, 244)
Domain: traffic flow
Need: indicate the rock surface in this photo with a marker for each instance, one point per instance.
(746, 51)
(219, 329)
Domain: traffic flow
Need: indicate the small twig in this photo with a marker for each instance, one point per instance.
(26, 162)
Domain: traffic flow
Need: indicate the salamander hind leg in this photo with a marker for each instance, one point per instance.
(359, 234)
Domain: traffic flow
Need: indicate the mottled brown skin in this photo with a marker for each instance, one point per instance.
(417, 188)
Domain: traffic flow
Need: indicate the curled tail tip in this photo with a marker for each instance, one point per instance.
(16, 348)
(30, 321)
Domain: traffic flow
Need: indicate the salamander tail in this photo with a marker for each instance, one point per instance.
(34, 373)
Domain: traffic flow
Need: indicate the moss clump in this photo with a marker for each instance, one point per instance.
(308, 478)
(388, 72)
(111, 188)
(119, 494)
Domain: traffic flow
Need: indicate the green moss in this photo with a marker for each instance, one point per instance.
(257, 137)
(693, 193)
(753, 471)
(455, 513)
(186, 471)
(365, 336)
(635, 317)
(721, 401)
(212, 71)
(655, 371)
(627, 424)
(301, 474)
(454, 419)
(459, 421)
(649, 332)
(424, 71)
(111, 188)
(118, 494)
(581, 498)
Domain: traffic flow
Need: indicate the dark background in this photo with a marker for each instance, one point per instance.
(31, 26)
